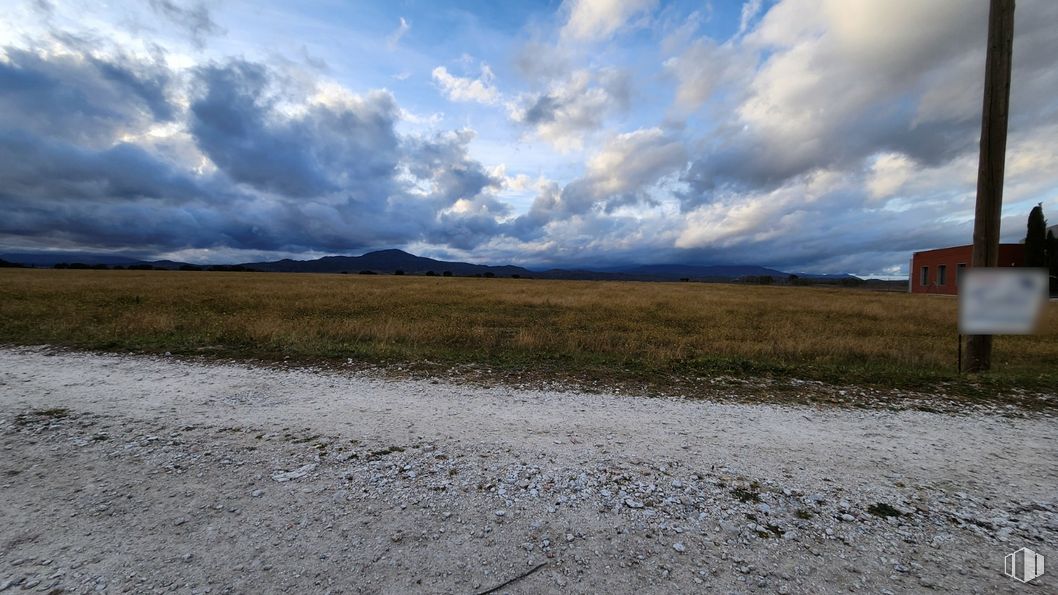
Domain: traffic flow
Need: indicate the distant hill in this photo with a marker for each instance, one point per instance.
(6, 264)
(390, 261)
(384, 261)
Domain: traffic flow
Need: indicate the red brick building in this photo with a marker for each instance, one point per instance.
(938, 271)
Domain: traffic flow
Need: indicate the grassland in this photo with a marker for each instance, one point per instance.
(658, 334)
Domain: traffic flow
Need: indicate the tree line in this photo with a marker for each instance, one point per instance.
(1041, 247)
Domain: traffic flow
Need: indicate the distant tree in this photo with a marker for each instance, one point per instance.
(490, 275)
(1052, 258)
(398, 272)
(516, 276)
(766, 280)
(368, 273)
(685, 279)
(61, 265)
(78, 265)
(447, 273)
(1036, 239)
(792, 279)
(100, 267)
(431, 274)
(4, 264)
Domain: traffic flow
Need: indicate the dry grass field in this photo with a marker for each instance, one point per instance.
(609, 331)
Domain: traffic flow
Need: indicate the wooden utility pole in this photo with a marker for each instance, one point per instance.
(993, 156)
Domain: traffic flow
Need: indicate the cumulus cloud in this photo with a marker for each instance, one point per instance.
(620, 174)
(95, 154)
(821, 136)
(478, 90)
(595, 20)
(572, 108)
(633, 160)
(334, 143)
(706, 67)
(80, 96)
(888, 174)
(839, 83)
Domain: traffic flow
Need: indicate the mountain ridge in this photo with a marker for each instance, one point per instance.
(393, 260)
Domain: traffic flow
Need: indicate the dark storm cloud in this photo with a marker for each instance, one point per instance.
(33, 167)
(80, 97)
(296, 169)
(229, 123)
(741, 161)
(443, 159)
(237, 123)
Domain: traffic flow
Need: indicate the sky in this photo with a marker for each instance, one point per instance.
(805, 135)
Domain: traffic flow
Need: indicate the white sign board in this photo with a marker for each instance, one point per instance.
(1001, 301)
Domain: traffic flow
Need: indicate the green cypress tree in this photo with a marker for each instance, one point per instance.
(1036, 239)
(1052, 258)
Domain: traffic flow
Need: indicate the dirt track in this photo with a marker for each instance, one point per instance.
(123, 473)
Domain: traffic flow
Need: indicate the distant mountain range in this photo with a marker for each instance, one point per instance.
(385, 261)
(391, 261)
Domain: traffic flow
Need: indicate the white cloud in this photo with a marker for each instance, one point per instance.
(750, 9)
(704, 68)
(395, 37)
(573, 108)
(633, 160)
(597, 20)
(888, 174)
(479, 90)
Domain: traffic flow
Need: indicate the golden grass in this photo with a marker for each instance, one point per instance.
(608, 330)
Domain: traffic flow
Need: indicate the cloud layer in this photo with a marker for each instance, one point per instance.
(825, 136)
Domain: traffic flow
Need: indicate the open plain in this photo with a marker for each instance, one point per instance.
(654, 337)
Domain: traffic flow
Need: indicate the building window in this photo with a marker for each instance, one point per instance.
(958, 273)
(942, 274)
(924, 280)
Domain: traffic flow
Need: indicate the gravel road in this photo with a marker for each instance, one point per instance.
(153, 474)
